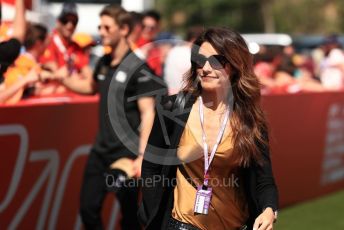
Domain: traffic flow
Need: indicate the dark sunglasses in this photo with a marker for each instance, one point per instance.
(106, 27)
(216, 61)
(149, 27)
(65, 21)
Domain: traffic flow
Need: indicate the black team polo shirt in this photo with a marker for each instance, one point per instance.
(138, 83)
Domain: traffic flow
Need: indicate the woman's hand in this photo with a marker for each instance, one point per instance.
(265, 220)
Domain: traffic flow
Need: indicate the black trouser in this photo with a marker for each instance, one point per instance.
(93, 193)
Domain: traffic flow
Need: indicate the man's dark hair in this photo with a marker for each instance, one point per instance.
(68, 8)
(119, 14)
(136, 17)
(153, 14)
(35, 32)
(193, 33)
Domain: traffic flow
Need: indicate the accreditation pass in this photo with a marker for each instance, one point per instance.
(202, 202)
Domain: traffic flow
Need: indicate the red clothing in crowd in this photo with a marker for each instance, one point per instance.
(153, 56)
(155, 61)
(65, 53)
(142, 41)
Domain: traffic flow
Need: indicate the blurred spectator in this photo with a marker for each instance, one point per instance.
(178, 61)
(284, 75)
(301, 69)
(136, 31)
(332, 67)
(148, 49)
(305, 74)
(110, 153)
(151, 27)
(282, 70)
(9, 50)
(317, 56)
(64, 56)
(21, 78)
(157, 55)
(266, 62)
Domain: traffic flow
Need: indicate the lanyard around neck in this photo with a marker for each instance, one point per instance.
(61, 47)
(208, 160)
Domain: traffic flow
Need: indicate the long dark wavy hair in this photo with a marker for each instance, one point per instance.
(248, 122)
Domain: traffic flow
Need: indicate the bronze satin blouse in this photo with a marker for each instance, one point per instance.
(228, 208)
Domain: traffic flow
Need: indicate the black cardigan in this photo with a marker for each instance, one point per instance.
(157, 199)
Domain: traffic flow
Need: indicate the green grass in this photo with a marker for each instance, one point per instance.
(320, 214)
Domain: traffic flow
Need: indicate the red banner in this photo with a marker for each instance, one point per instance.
(307, 141)
(44, 147)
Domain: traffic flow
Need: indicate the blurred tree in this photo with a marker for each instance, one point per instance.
(283, 16)
(241, 15)
(309, 16)
(266, 7)
(341, 14)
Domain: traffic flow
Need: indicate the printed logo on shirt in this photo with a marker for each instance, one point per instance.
(121, 76)
(101, 77)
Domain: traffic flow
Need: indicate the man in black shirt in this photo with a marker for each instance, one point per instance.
(9, 50)
(126, 87)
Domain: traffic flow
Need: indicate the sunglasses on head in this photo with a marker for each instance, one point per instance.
(106, 27)
(65, 21)
(216, 61)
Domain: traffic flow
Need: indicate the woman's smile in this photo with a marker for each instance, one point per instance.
(209, 78)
